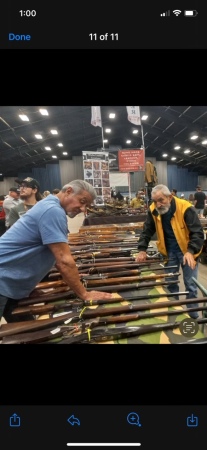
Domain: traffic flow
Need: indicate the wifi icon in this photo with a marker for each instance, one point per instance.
(177, 12)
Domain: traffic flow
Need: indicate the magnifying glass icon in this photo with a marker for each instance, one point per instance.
(133, 419)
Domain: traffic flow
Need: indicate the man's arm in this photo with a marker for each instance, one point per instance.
(148, 231)
(196, 235)
(67, 267)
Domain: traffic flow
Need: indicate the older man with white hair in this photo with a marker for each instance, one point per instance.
(180, 237)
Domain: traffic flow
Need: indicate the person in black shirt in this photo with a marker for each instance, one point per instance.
(199, 202)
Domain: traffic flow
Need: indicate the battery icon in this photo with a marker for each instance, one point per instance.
(191, 13)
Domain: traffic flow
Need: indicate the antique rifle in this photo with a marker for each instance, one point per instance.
(111, 270)
(104, 335)
(53, 333)
(121, 273)
(128, 287)
(118, 262)
(71, 294)
(64, 305)
(52, 284)
(93, 259)
(108, 281)
(87, 313)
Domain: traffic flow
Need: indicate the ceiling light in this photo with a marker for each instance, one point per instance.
(144, 117)
(108, 130)
(24, 117)
(105, 140)
(194, 137)
(38, 136)
(187, 150)
(53, 132)
(60, 145)
(65, 153)
(44, 112)
(135, 131)
(204, 142)
(112, 115)
(128, 142)
(47, 148)
(164, 155)
(177, 147)
(54, 156)
(173, 158)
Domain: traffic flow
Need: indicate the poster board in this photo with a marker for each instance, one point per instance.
(132, 160)
(96, 172)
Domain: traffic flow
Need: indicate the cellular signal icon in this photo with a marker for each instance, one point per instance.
(177, 12)
(166, 13)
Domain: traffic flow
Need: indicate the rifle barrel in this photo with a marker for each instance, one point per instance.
(201, 287)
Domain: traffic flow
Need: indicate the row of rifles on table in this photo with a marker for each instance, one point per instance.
(105, 263)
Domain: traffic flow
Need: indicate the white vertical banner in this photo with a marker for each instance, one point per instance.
(134, 114)
(96, 116)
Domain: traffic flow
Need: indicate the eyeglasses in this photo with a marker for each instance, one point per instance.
(24, 187)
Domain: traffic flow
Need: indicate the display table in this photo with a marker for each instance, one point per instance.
(113, 219)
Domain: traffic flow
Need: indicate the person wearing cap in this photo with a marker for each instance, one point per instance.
(180, 238)
(31, 247)
(11, 200)
(199, 202)
(29, 194)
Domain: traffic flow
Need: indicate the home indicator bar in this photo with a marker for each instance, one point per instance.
(104, 444)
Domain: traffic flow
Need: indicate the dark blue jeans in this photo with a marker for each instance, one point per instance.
(7, 305)
(188, 273)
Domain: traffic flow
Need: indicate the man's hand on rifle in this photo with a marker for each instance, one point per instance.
(96, 295)
(142, 256)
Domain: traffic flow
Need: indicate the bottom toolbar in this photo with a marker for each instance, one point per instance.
(62, 426)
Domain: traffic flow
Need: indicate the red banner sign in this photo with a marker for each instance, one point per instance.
(132, 160)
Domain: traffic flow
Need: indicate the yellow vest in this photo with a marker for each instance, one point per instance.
(179, 227)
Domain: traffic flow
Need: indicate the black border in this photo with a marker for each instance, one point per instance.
(103, 374)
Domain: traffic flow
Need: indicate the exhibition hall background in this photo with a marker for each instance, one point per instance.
(57, 175)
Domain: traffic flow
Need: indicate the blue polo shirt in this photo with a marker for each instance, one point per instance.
(25, 257)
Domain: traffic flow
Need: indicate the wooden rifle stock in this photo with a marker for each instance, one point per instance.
(46, 297)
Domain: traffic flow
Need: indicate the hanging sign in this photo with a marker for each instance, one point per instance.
(132, 160)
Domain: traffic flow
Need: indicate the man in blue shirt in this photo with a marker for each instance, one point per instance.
(37, 241)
